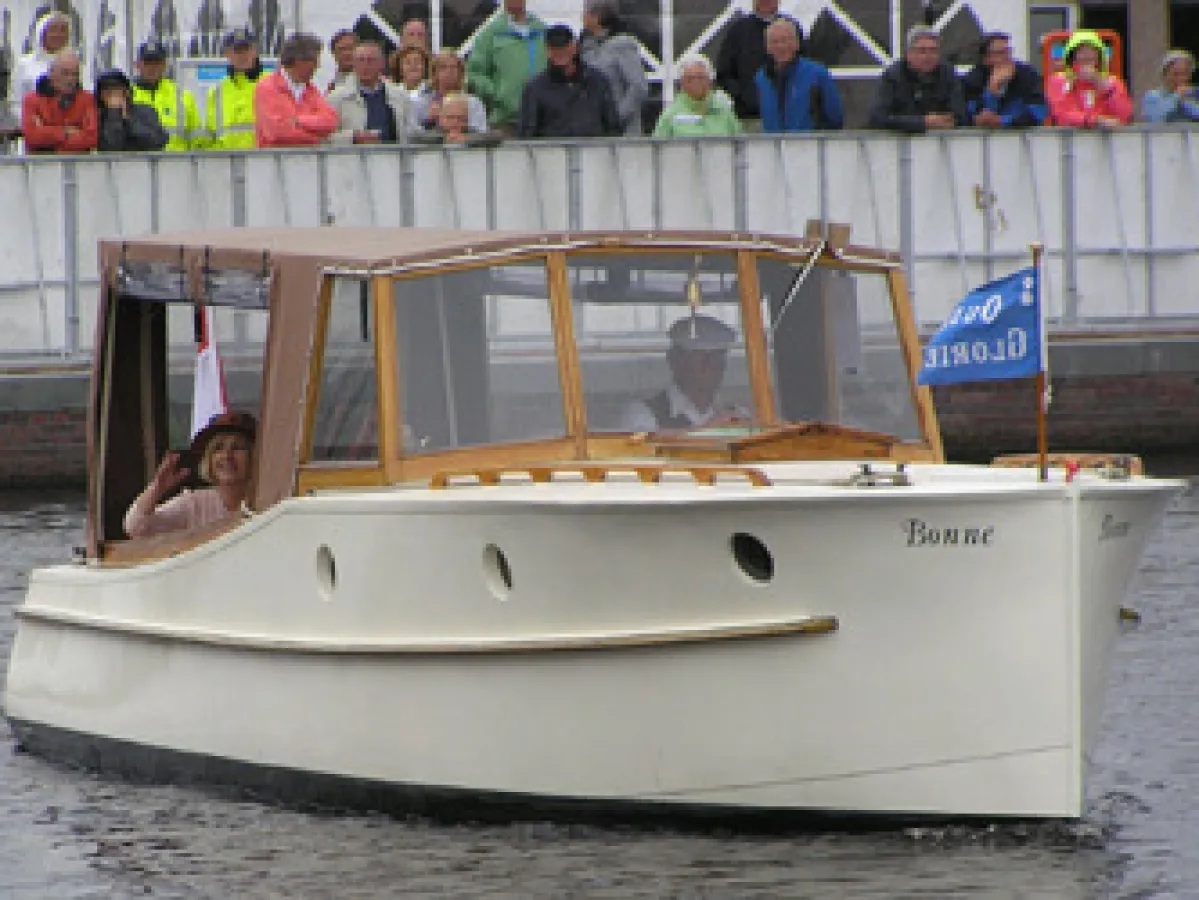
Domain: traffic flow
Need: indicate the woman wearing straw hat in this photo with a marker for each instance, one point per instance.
(223, 449)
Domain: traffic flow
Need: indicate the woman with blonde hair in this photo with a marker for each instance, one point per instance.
(1176, 100)
(447, 76)
(410, 70)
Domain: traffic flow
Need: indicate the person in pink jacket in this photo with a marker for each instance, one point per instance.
(1086, 95)
(289, 110)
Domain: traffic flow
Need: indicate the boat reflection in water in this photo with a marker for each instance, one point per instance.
(459, 581)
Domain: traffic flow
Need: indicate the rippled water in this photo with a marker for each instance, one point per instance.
(69, 835)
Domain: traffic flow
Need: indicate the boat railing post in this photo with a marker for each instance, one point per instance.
(70, 218)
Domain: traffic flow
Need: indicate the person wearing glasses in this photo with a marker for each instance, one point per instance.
(59, 116)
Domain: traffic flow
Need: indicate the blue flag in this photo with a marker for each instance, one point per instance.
(992, 335)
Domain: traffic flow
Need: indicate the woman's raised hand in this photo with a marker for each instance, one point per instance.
(169, 475)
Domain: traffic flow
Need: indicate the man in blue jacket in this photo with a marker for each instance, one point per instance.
(795, 94)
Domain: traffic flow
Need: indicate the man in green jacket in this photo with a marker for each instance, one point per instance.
(698, 109)
(508, 51)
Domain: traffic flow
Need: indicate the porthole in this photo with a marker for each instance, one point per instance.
(326, 572)
(497, 572)
(752, 557)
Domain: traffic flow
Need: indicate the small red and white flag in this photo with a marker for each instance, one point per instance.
(209, 397)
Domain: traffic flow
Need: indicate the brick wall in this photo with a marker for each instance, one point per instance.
(43, 448)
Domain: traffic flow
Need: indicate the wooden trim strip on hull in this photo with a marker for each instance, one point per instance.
(805, 626)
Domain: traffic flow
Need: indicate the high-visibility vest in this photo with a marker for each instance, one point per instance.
(230, 114)
(178, 113)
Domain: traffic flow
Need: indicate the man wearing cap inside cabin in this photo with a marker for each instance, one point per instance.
(221, 454)
(125, 125)
(176, 107)
(569, 99)
(697, 357)
(229, 118)
(1086, 95)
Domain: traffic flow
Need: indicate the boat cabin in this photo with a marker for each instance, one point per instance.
(377, 357)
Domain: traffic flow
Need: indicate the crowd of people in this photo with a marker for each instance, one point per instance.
(525, 78)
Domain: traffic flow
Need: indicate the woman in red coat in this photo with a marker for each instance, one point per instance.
(59, 117)
(1086, 95)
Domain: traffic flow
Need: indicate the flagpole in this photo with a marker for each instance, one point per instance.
(1037, 250)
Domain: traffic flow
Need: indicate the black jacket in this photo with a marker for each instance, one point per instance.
(140, 130)
(555, 105)
(905, 98)
(1023, 100)
(742, 54)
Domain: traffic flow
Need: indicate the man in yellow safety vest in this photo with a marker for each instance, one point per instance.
(177, 110)
(230, 108)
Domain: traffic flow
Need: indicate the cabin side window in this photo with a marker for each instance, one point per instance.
(345, 424)
(661, 343)
(477, 359)
(834, 349)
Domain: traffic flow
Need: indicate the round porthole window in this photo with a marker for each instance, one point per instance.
(752, 557)
(497, 572)
(326, 572)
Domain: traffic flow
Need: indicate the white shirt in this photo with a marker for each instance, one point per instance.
(297, 90)
(639, 417)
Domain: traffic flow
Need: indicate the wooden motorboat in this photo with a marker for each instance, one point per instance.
(462, 582)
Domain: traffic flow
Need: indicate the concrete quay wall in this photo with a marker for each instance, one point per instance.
(1132, 395)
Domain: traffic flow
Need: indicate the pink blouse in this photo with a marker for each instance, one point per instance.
(186, 511)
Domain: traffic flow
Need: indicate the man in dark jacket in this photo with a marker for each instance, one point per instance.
(125, 125)
(742, 55)
(1001, 92)
(568, 99)
(919, 92)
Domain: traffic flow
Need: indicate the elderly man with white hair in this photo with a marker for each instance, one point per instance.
(699, 109)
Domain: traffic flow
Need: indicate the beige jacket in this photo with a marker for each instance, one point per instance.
(351, 108)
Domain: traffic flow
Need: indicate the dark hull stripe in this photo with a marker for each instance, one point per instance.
(321, 791)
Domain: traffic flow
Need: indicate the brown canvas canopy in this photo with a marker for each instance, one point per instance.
(295, 260)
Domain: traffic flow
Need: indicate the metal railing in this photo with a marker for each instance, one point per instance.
(1117, 212)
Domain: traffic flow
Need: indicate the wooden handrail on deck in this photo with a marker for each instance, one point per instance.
(594, 474)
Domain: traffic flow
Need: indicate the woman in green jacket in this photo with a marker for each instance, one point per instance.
(698, 110)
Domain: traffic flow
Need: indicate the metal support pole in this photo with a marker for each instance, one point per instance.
(407, 189)
(1150, 236)
(822, 175)
(237, 180)
(492, 212)
(656, 168)
(740, 186)
(907, 244)
(1069, 232)
(70, 247)
(988, 209)
(155, 199)
(324, 213)
(574, 188)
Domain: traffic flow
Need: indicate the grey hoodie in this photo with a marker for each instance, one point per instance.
(618, 57)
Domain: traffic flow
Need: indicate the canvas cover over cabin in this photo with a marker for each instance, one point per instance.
(381, 356)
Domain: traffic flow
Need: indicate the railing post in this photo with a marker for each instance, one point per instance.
(492, 215)
(1069, 231)
(822, 184)
(907, 246)
(574, 188)
(1150, 237)
(740, 185)
(656, 174)
(324, 213)
(237, 181)
(155, 199)
(407, 189)
(70, 238)
(988, 209)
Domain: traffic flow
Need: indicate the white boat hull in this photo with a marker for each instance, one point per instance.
(632, 661)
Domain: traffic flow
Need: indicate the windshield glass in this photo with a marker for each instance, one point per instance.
(476, 356)
(834, 349)
(661, 344)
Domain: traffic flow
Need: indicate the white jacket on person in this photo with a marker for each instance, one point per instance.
(32, 66)
(351, 111)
